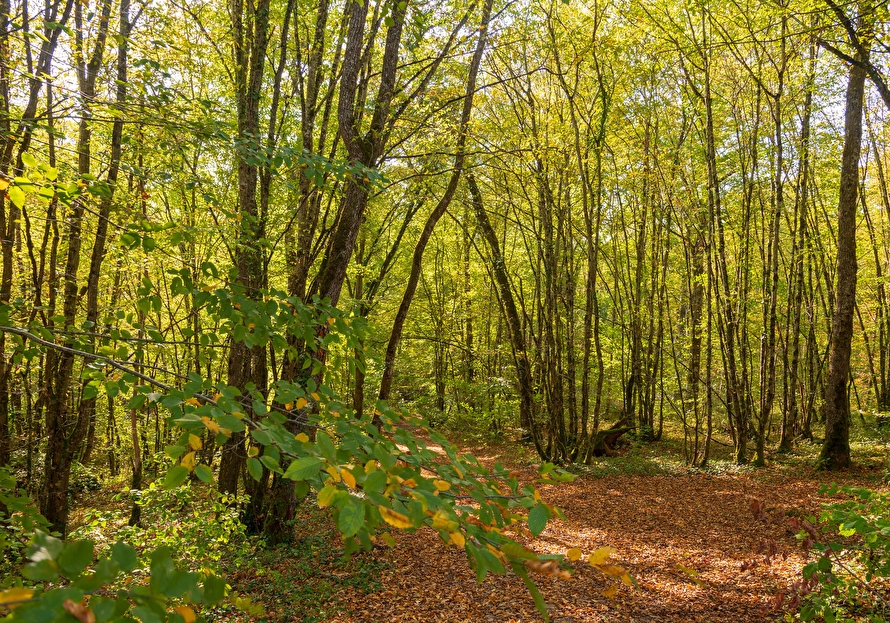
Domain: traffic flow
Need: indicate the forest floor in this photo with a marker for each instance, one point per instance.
(689, 538)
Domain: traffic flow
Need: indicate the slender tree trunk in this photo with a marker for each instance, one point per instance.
(417, 259)
(836, 448)
(514, 324)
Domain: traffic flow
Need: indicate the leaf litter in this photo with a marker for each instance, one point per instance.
(699, 547)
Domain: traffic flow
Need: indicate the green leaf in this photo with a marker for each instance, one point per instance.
(376, 481)
(146, 614)
(41, 571)
(75, 557)
(352, 517)
(17, 196)
(254, 468)
(261, 437)
(214, 589)
(271, 463)
(174, 452)
(124, 556)
(518, 551)
(519, 569)
(325, 446)
(301, 489)
(537, 519)
(204, 473)
(103, 608)
(176, 476)
(29, 161)
(303, 468)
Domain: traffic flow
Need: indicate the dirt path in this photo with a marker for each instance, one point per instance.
(658, 526)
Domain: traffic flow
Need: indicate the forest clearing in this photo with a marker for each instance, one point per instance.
(260, 260)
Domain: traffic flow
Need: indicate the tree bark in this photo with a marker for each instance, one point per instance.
(836, 448)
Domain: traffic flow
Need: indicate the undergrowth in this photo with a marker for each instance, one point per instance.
(297, 582)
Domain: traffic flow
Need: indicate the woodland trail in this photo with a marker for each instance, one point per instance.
(658, 525)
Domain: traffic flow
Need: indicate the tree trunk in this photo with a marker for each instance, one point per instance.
(836, 448)
(514, 325)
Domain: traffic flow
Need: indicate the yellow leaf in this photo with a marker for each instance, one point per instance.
(495, 551)
(334, 472)
(610, 591)
(212, 426)
(12, 597)
(195, 442)
(395, 518)
(315, 396)
(370, 466)
(238, 414)
(629, 581)
(574, 554)
(253, 451)
(301, 402)
(326, 495)
(410, 483)
(441, 521)
(614, 570)
(331, 321)
(302, 437)
(348, 478)
(457, 538)
(387, 538)
(193, 401)
(537, 496)
(186, 613)
(441, 485)
(4, 184)
(601, 555)
(289, 406)
(225, 431)
(188, 461)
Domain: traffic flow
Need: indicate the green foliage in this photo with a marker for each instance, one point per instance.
(198, 523)
(19, 519)
(847, 582)
(373, 472)
(68, 580)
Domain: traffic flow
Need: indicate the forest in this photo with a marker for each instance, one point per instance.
(329, 310)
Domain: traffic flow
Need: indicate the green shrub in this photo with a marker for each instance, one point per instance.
(848, 581)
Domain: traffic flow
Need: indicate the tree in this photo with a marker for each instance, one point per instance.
(835, 452)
